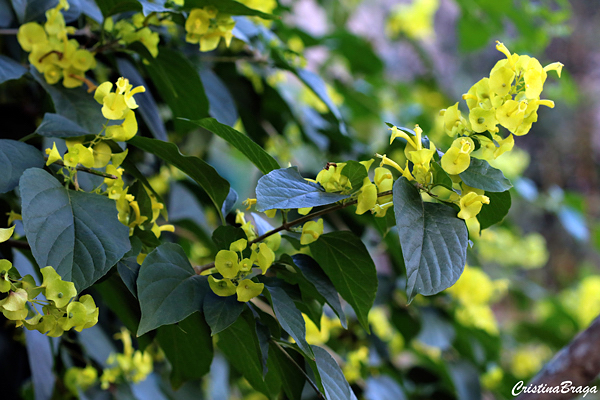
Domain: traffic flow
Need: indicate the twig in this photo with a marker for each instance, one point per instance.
(88, 170)
(18, 244)
(578, 362)
(287, 225)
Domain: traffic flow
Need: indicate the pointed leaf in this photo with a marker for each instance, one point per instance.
(41, 363)
(286, 188)
(259, 157)
(221, 312)
(63, 231)
(315, 275)
(346, 261)
(206, 176)
(168, 288)
(335, 384)
(481, 175)
(290, 318)
(494, 212)
(292, 381)
(433, 241)
(10, 69)
(74, 104)
(54, 125)
(188, 347)
(15, 158)
(240, 346)
(179, 85)
(221, 103)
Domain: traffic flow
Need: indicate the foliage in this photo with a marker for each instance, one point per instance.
(138, 215)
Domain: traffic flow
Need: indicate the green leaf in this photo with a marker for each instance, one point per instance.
(206, 176)
(179, 84)
(494, 212)
(332, 378)
(63, 229)
(188, 347)
(112, 7)
(168, 288)
(143, 199)
(316, 277)
(259, 157)
(41, 363)
(433, 241)
(55, 125)
(221, 312)
(441, 177)
(290, 318)
(357, 50)
(221, 103)
(128, 267)
(356, 173)
(346, 261)
(227, 7)
(10, 69)
(15, 158)
(286, 188)
(481, 175)
(292, 380)
(75, 104)
(239, 343)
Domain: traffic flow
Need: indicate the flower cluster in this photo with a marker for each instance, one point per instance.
(130, 365)
(235, 264)
(206, 26)
(60, 311)
(137, 30)
(52, 52)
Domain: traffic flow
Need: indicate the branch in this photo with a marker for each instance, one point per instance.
(18, 244)
(578, 362)
(85, 169)
(287, 225)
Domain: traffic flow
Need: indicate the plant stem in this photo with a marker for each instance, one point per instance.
(18, 244)
(88, 170)
(287, 225)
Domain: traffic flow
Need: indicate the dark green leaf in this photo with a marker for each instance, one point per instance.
(292, 380)
(221, 312)
(206, 176)
(290, 318)
(15, 158)
(143, 199)
(356, 173)
(383, 387)
(63, 230)
(240, 346)
(188, 347)
(147, 106)
(334, 383)
(128, 266)
(227, 7)
(494, 212)
(41, 363)
(263, 335)
(286, 188)
(221, 103)
(179, 84)
(433, 240)
(346, 261)
(481, 175)
(54, 125)
(168, 288)
(112, 7)
(75, 104)
(440, 177)
(259, 157)
(358, 51)
(315, 275)
(10, 69)
(224, 235)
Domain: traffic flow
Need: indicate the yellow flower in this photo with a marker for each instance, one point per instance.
(221, 287)
(266, 256)
(247, 290)
(226, 263)
(483, 120)
(457, 158)
(31, 34)
(53, 155)
(470, 205)
(367, 197)
(311, 231)
(126, 130)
